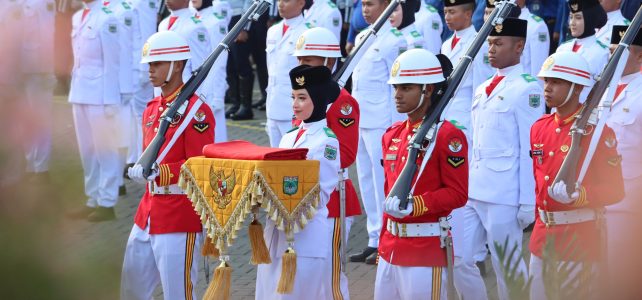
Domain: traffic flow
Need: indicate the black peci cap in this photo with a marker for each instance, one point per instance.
(618, 32)
(448, 3)
(511, 27)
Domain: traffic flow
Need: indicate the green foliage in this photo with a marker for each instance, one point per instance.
(518, 286)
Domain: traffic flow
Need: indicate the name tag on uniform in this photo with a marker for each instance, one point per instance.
(391, 156)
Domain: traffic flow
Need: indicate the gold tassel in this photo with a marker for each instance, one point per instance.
(288, 272)
(219, 288)
(260, 253)
(208, 248)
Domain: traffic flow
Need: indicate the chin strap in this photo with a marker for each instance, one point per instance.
(568, 96)
(169, 74)
(421, 99)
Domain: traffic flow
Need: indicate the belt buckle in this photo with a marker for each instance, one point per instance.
(550, 218)
(403, 233)
(166, 189)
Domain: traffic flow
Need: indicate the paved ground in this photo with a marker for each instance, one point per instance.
(64, 259)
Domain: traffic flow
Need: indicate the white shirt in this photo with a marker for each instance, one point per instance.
(414, 39)
(429, 24)
(125, 15)
(537, 42)
(324, 13)
(501, 125)
(614, 18)
(216, 24)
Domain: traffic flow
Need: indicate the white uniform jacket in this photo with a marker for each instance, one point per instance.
(614, 18)
(94, 78)
(125, 14)
(370, 77)
(38, 36)
(595, 53)
(626, 122)
(314, 239)
(537, 42)
(459, 107)
(429, 24)
(193, 30)
(222, 9)
(143, 26)
(324, 13)
(280, 60)
(216, 24)
(501, 170)
(414, 39)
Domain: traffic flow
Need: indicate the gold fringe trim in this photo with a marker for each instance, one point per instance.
(219, 288)
(288, 272)
(208, 248)
(260, 253)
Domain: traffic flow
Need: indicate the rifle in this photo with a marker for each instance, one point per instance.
(341, 76)
(149, 156)
(592, 117)
(428, 129)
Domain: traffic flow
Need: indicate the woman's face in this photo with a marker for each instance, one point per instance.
(302, 104)
(576, 24)
(396, 17)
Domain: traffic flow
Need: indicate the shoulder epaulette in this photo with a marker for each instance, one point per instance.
(627, 22)
(308, 25)
(106, 10)
(536, 18)
(529, 77)
(415, 34)
(126, 5)
(331, 4)
(329, 132)
(431, 8)
(457, 124)
(293, 129)
(218, 16)
(602, 44)
(396, 32)
(196, 19)
(394, 125)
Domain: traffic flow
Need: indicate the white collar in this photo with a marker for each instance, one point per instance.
(614, 15)
(626, 79)
(183, 12)
(510, 70)
(525, 13)
(461, 33)
(313, 125)
(406, 30)
(93, 4)
(294, 21)
(586, 40)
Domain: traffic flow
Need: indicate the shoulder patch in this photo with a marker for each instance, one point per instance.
(456, 161)
(331, 4)
(293, 129)
(627, 22)
(330, 152)
(394, 125)
(457, 124)
(308, 25)
(329, 132)
(536, 18)
(106, 10)
(529, 78)
(113, 28)
(126, 5)
(396, 32)
(431, 8)
(602, 44)
(415, 34)
(196, 20)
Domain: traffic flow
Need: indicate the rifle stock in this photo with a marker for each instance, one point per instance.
(584, 123)
(440, 99)
(341, 76)
(149, 156)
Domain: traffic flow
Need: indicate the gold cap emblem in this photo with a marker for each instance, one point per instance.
(548, 63)
(491, 2)
(300, 80)
(300, 42)
(622, 33)
(146, 49)
(452, 1)
(395, 69)
(574, 7)
(499, 28)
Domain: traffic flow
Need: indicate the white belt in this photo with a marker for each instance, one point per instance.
(567, 217)
(172, 189)
(413, 229)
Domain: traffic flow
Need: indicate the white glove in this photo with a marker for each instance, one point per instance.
(525, 215)
(558, 192)
(136, 173)
(391, 207)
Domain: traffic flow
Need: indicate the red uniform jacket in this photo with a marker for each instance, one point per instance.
(442, 187)
(343, 119)
(173, 213)
(602, 186)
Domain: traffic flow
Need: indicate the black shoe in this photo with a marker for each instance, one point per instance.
(259, 103)
(372, 259)
(102, 214)
(361, 256)
(126, 171)
(80, 213)
(244, 113)
(230, 111)
(122, 190)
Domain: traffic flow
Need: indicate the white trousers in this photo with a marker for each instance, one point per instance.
(39, 97)
(276, 129)
(170, 259)
(311, 272)
(409, 283)
(220, 130)
(98, 145)
(488, 223)
(338, 287)
(538, 289)
(371, 178)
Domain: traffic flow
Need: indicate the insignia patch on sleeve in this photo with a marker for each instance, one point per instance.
(113, 28)
(455, 145)
(610, 142)
(201, 36)
(435, 25)
(128, 21)
(542, 36)
(456, 161)
(330, 152)
(335, 21)
(201, 127)
(614, 161)
(346, 122)
(534, 100)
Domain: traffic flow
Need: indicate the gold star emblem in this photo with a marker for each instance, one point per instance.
(145, 49)
(548, 63)
(622, 33)
(574, 7)
(499, 28)
(452, 1)
(395, 69)
(300, 80)
(300, 42)
(491, 2)
(564, 148)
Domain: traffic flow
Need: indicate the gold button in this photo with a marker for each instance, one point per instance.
(545, 202)
(156, 129)
(546, 177)
(558, 130)
(160, 108)
(551, 153)
(403, 158)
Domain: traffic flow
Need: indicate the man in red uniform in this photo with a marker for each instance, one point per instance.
(161, 244)
(573, 223)
(411, 259)
(320, 47)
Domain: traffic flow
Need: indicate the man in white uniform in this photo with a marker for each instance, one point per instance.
(537, 40)
(324, 13)
(428, 22)
(614, 17)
